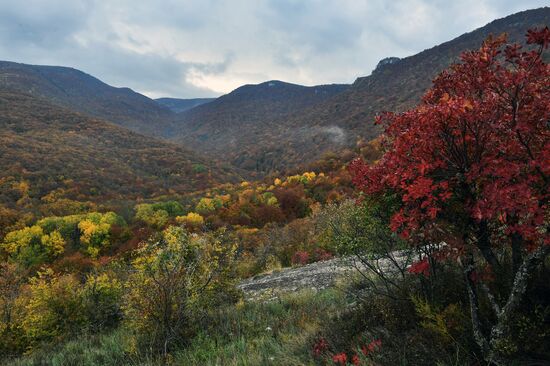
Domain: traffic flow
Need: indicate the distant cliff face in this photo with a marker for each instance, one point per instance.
(386, 61)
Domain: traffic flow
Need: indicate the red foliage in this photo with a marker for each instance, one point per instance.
(137, 236)
(320, 347)
(292, 202)
(420, 267)
(541, 37)
(74, 263)
(300, 257)
(371, 347)
(477, 149)
(265, 214)
(340, 358)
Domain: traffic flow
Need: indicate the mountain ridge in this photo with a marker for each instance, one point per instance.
(345, 118)
(268, 127)
(74, 89)
(209, 127)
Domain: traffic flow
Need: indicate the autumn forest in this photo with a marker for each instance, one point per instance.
(402, 219)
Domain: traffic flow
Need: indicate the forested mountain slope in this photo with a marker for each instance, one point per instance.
(177, 105)
(76, 90)
(45, 148)
(261, 138)
(231, 123)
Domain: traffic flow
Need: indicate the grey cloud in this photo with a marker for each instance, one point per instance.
(310, 24)
(151, 73)
(198, 48)
(32, 23)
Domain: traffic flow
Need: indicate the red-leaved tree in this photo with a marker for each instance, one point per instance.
(473, 161)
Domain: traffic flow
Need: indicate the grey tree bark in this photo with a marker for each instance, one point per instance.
(492, 345)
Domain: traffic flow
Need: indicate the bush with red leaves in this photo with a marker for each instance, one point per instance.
(301, 257)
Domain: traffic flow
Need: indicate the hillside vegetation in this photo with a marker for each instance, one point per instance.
(244, 118)
(78, 91)
(49, 153)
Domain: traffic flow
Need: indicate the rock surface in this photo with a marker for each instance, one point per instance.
(315, 276)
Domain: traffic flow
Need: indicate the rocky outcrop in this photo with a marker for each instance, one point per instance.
(315, 276)
(386, 61)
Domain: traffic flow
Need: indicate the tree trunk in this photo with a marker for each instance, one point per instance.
(517, 241)
(501, 331)
(483, 243)
(491, 348)
(477, 328)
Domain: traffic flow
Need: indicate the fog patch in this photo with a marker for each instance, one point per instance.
(336, 134)
(317, 134)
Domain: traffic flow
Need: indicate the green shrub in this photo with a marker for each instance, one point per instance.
(53, 308)
(101, 299)
(174, 279)
(158, 214)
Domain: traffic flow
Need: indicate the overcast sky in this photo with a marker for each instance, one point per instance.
(199, 48)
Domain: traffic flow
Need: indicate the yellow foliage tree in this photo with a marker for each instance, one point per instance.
(95, 236)
(52, 307)
(207, 205)
(54, 243)
(31, 245)
(173, 280)
(192, 219)
(49, 237)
